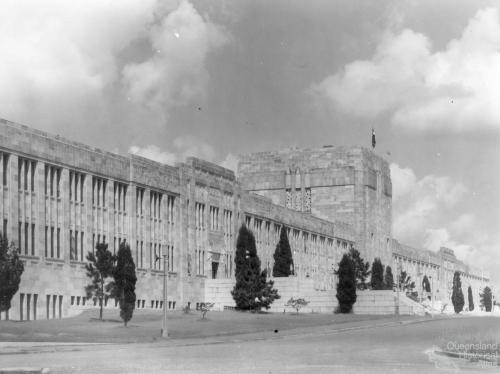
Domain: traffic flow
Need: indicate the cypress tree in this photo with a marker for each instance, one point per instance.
(251, 291)
(124, 282)
(457, 297)
(99, 267)
(388, 279)
(471, 300)
(426, 285)
(346, 286)
(283, 261)
(377, 280)
(11, 269)
(486, 298)
(361, 269)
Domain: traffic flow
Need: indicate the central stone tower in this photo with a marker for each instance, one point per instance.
(347, 184)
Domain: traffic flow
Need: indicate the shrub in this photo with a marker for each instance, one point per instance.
(486, 299)
(252, 291)
(100, 266)
(11, 269)
(124, 282)
(297, 304)
(205, 308)
(346, 286)
(361, 269)
(471, 300)
(457, 296)
(377, 280)
(283, 261)
(426, 285)
(388, 279)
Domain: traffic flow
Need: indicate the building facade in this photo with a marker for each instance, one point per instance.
(338, 184)
(60, 198)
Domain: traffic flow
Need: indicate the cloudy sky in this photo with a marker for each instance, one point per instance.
(167, 79)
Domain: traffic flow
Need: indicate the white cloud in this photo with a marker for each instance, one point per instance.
(176, 72)
(421, 203)
(230, 162)
(57, 58)
(455, 89)
(183, 147)
(67, 63)
(427, 214)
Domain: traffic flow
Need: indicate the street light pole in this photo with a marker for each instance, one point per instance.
(398, 270)
(164, 330)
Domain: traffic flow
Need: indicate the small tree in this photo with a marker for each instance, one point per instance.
(346, 286)
(486, 298)
(388, 278)
(361, 269)
(11, 269)
(457, 296)
(283, 261)
(377, 281)
(426, 285)
(205, 308)
(252, 291)
(405, 283)
(471, 300)
(297, 304)
(99, 268)
(124, 282)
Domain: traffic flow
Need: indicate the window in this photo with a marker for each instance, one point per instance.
(170, 209)
(76, 181)
(200, 216)
(155, 205)
(99, 192)
(288, 198)
(4, 157)
(52, 180)
(214, 218)
(139, 197)
(119, 196)
(32, 239)
(307, 200)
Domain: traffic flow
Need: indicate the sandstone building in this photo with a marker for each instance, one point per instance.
(59, 198)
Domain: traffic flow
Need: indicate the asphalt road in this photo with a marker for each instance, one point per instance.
(383, 349)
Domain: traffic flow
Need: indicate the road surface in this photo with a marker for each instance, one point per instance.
(382, 349)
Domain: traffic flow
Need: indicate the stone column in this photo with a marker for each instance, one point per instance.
(12, 183)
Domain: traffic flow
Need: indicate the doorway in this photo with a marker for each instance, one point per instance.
(215, 267)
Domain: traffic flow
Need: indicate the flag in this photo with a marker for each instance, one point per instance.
(373, 138)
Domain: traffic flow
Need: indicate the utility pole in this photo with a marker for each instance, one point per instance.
(164, 330)
(398, 270)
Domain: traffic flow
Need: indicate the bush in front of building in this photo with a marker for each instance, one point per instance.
(486, 299)
(377, 279)
(11, 269)
(471, 300)
(346, 286)
(100, 267)
(361, 268)
(457, 296)
(388, 278)
(252, 291)
(297, 303)
(123, 287)
(426, 285)
(283, 261)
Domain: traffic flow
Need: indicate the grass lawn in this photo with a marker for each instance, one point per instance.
(145, 325)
